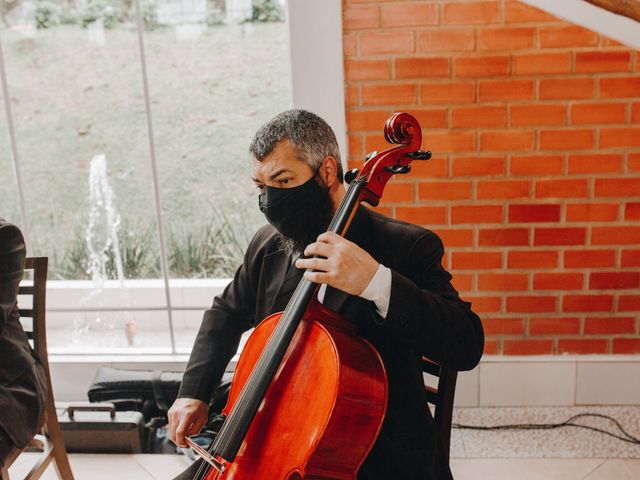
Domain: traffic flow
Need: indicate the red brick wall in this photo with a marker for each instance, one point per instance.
(535, 181)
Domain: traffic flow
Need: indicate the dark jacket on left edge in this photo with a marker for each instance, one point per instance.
(22, 378)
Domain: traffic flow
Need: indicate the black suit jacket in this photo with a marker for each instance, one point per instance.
(22, 378)
(425, 317)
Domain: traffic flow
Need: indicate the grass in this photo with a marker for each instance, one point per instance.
(72, 99)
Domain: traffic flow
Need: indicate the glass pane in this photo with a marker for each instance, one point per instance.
(9, 201)
(214, 78)
(78, 104)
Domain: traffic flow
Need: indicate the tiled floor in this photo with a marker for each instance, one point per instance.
(563, 454)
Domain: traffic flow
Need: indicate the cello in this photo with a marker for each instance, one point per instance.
(309, 395)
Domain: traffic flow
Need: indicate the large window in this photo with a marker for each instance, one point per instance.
(107, 114)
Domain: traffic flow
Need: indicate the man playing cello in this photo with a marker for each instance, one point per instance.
(386, 276)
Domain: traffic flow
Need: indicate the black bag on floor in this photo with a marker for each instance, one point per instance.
(98, 428)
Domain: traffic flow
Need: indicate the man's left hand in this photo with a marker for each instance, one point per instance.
(343, 264)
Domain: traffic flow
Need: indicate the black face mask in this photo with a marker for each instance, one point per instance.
(300, 213)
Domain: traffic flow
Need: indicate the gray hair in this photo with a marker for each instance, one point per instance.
(310, 135)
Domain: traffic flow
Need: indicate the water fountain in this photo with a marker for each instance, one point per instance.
(102, 236)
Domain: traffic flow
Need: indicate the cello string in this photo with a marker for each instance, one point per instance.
(253, 384)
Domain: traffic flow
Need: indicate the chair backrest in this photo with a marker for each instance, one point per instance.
(38, 292)
(442, 399)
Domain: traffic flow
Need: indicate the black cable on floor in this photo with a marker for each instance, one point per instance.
(625, 437)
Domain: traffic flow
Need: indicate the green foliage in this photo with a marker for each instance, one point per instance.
(267, 11)
(96, 10)
(215, 16)
(149, 11)
(47, 14)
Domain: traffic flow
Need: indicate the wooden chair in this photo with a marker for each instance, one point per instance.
(50, 440)
(442, 399)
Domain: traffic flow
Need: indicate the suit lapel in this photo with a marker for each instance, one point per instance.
(282, 278)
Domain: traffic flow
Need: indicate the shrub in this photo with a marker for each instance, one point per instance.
(47, 14)
(96, 10)
(267, 11)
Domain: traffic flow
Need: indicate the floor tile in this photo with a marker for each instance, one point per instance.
(510, 469)
(617, 470)
(163, 466)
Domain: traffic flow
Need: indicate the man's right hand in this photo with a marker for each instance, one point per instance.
(186, 417)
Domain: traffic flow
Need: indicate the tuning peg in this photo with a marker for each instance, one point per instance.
(351, 175)
(399, 169)
(419, 155)
(370, 155)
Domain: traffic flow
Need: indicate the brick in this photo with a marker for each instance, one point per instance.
(367, 120)
(480, 260)
(614, 280)
(602, 61)
(582, 345)
(626, 345)
(633, 162)
(446, 40)
(517, 12)
(444, 190)
(635, 113)
(620, 87)
(537, 115)
(536, 165)
(509, 38)
(399, 94)
(619, 137)
(395, 192)
(629, 303)
(502, 281)
(471, 13)
(350, 45)
(476, 214)
(422, 67)
(375, 142)
(352, 96)
(587, 303)
(431, 118)
(562, 188)
(631, 258)
(355, 146)
(589, 258)
(559, 236)
(456, 237)
(598, 113)
(609, 325)
(567, 36)
(557, 281)
(503, 326)
(492, 347)
(617, 187)
(534, 213)
(474, 166)
(566, 88)
(541, 63)
(502, 237)
(484, 304)
(474, 117)
(499, 189)
(531, 304)
(422, 215)
(375, 43)
(361, 17)
(554, 326)
(462, 282)
(481, 66)
(632, 211)
(511, 140)
(595, 163)
(592, 212)
(566, 139)
(409, 14)
(494, 90)
(450, 92)
(532, 259)
(528, 347)
(450, 141)
(436, 167)
(367, 70)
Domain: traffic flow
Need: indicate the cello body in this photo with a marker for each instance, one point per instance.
(323, 410)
